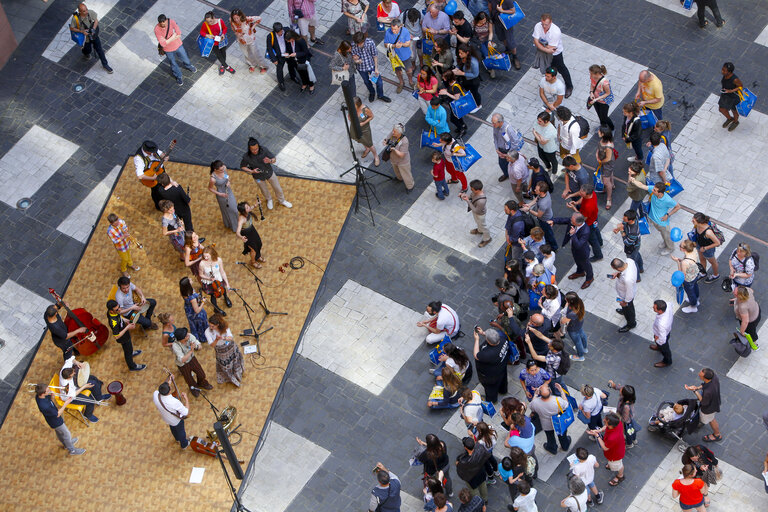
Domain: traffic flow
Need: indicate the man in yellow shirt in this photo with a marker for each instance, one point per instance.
(650, 92)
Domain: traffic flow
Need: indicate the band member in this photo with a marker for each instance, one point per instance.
(184, 346)
(144, 157)
(119, 234)
(258, 163)
(173, 192)
(246, 230)
(61, 338)
(124, 297)
(53, 417)
(193, 309)
(193, 253)
(121, 330)
(173, 226)
(74, 394)
(173, 411)
(229, 359)
(214, 278)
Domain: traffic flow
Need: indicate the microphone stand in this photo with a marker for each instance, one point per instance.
(252, 332)
(263, 302)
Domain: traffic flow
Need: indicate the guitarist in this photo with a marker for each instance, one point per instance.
(61, 338)
(145, 155)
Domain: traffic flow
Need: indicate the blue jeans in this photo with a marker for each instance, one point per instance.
(637, 258)
(96, 44)
(657, 111)
(580, 340)
(179, 433)
(638, 207)
(477, 6)
(442, 189)
(181, 53)
(692, 291)
(484, 49)
(365, 75)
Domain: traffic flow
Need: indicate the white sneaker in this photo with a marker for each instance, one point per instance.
(690, 309)
(632, 159)
(270, 204)
(286, 204)
(666, 252)
(77, 451)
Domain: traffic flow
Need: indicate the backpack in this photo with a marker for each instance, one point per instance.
(755, 259)
(719, 234)
(741, 348)
(565, 362)
(530, 224)
(583, 126)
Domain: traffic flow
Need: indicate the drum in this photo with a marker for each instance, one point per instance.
(115, 388)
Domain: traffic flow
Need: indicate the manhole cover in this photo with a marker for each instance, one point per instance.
(23, 204)
(78, 87)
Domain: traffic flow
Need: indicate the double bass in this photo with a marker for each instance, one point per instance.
(96, 333)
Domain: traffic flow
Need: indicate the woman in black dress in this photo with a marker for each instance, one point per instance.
(729, 98)
(247, 232)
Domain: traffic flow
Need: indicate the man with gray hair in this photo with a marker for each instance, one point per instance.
(520, 174)
(650, 92)
(437, 23)
(578, 235)
(491, 362)
(397, 146)
(504, 138)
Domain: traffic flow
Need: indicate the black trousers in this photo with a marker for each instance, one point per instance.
(95, 395)
(551, 444)
(701, 5)
(279, 69)
(629, 313)
(95, 43)
(601, 109)
(584, 265)
(493, 387)
(221, 54)
(127, 345)
(156, 197)
(666, 352)
(559, 64)
(548, 159)
(752, 326)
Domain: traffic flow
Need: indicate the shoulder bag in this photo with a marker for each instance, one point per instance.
(160, 50)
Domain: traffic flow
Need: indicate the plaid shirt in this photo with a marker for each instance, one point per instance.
(367, 55)
(119, 235)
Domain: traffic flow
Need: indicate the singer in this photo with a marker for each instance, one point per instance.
(246, 230)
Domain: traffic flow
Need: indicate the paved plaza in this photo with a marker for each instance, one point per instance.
(356, 389)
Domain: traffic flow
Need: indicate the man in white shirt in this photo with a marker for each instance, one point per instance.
(74, 394)
(626, 288)
(548, 39)
(551, 90)
(442, 320)
(662, 325)
(568, 132)
(172, 411)
(146, 154)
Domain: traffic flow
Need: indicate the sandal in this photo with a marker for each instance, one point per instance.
(256, 265)
(262, 70)
(608, 205)
(616, 481)
(251, 69)
(262, 260)
(712, 438)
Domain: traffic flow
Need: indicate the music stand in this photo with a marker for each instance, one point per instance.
(362, 187)
(263, 302)
(252, 332)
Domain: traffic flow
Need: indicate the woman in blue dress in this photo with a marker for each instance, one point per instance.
(193, 307)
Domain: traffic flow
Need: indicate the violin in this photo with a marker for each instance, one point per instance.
(96, 333)
(217, 289)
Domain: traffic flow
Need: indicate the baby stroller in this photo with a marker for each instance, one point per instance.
(687, 424)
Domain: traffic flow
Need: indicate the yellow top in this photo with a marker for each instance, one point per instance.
(653, 89)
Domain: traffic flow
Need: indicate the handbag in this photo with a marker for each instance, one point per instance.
(463, 163)
(463, 105)
(563, 419)
(748, 99)
(428, 47)
(647, 118)
(510, 20)
(687, 4)
(597, 178)
(496, 60)
(674, 187)
(488, 409)
(339, 76)
(435, 353)
(394, 60)
(77, 37)
(430, 139)
(160, 50)
(582, 417)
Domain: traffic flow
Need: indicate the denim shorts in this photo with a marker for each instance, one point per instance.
(709, 253)
(691, 507)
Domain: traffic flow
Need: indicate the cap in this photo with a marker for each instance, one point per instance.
(149, 146)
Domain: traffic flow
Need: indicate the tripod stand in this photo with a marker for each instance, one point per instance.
(262, 303)
(252, 332)
(362, 187)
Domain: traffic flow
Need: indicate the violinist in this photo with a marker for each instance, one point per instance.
(61, 338)
(214, 278)
(121, 330)
(173, 411)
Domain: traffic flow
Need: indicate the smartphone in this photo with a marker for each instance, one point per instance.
(609, 276)
(246, 342)
(477, 328)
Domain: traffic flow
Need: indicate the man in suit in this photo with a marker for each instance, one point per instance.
(578, 235)
(276, 52)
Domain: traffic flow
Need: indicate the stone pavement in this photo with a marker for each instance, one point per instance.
(346, 425)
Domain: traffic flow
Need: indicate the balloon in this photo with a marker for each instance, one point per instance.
(450, 7)
(676, 235)
(677, 278)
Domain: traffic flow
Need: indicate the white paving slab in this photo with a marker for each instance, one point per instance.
(30, 162)
(763, 37)
(239, 94)
(674, 6)
(279, 475)
(547, 462)
(520, 107)
(134, 57)
(737, 490)
(21, 323)
(81, 221)
(698, 164)
(752, 371)
(62, 43)
(363, 337)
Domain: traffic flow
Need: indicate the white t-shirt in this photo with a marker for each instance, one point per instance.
(526, 503)
(549, 263)
(474, 409)
(210, 335)
(553, 37)
(586, 470)
(125, 300)
(552, 91)
(138, 162)
(577, 503)
(569, 136)
(174, 406)
(68, 384)
(448, 320)
(594, 404)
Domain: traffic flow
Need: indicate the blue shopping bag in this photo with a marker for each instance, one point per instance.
(489, 409)
(435, 353)
(205, 45)
(463, 163)
(597, 178)
(380, 27)
(563, 420)
(647, 118)
(497, 61)
(430, 139)
(571, 400)
(748, 99)
(78, 38)
(674, 187)
(464, 105)
(687, 4)
(514, 354)
(510, 20)
(642, 224)
(428, 45)
(582, 417)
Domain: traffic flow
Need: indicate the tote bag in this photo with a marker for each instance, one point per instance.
(510, 20)
(563, 419)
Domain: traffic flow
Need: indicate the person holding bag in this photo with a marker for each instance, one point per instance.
(214, 28)
(632, 131)
(343, 64)
(169, 43)
(298, 50)
(601, 95)
(626, 411)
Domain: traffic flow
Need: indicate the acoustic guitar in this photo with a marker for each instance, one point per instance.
(156, 168)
